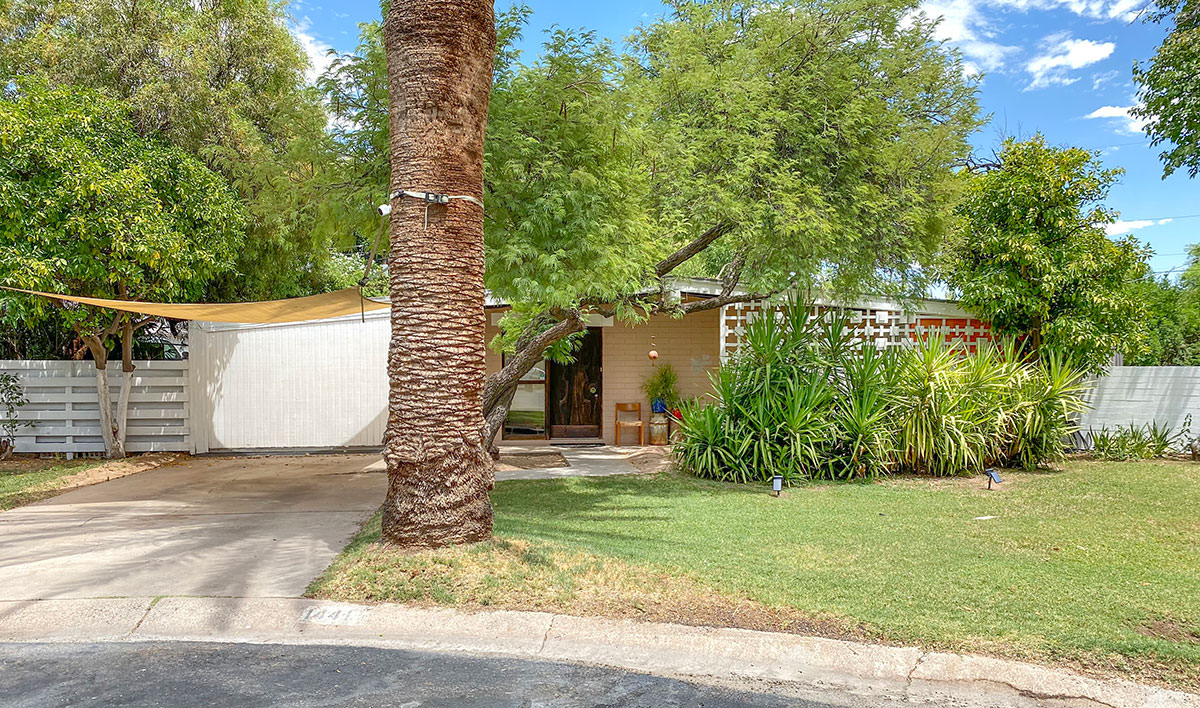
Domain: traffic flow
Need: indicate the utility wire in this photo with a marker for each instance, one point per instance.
(1156, 218)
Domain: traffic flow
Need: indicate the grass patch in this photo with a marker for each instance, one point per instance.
(1094, 567)
(24, 481)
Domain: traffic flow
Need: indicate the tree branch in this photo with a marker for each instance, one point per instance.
(684, 254)
(526, 356)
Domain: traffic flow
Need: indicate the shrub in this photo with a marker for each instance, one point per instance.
(12, 400)
(1130, 442)
(662, 385)
(804, 400)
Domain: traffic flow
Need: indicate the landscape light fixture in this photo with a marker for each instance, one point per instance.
(992, 476)
(777, 484)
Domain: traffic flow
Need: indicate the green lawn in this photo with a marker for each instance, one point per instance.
(25, 481)
(1097, 566)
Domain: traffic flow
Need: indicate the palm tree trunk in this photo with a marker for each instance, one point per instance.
(439, 57)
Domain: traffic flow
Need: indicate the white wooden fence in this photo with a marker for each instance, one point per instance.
(1140, 394)
(64, 412)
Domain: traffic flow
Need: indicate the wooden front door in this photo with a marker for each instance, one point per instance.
(573, 395)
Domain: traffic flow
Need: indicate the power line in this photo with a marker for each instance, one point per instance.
(1156, 218)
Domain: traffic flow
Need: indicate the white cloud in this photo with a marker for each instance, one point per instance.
(974, 27)
(1060, 54)
(1124, 10)
(962, 24)
(1119, 228)
(1099, 80)
(1119, 115)
(317, 51)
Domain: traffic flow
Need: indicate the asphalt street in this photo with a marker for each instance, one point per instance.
(181, 674)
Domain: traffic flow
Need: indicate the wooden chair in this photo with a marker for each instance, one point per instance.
(618, 423)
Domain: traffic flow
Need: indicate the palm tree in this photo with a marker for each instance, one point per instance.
(439, 56)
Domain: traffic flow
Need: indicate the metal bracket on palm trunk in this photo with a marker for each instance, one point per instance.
(433, 198)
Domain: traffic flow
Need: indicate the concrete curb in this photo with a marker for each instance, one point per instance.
(805, 664)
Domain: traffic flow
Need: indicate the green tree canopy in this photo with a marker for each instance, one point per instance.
(224, 81)
(91, 207)
(1172, 325)
(822, 132)
(1033, 259)
(811, 140)
(1169, 87)
(356, 94)
(566, 184)
(1174, 317)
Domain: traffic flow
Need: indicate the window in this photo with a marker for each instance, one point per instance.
(527, 414)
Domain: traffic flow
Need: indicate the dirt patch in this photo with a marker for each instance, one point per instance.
(90, 473)
(510, 461)
(115, 469)
(18, 464)
(519, 575)
(1170, 630)
(652, 460)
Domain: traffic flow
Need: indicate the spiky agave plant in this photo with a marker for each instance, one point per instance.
(992, 382)
(866, 441)
(806, 428)
(702, 447)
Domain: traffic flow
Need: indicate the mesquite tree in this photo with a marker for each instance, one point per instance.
(439, 63)
(1169, 86)
(763, 143)
(92, 208)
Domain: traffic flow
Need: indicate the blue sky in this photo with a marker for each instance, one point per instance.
(1059, 67)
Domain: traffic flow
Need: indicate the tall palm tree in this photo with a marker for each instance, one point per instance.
(439, 57)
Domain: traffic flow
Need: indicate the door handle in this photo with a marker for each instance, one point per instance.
(592, 390)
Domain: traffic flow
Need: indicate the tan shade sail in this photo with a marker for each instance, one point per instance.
(297, 309)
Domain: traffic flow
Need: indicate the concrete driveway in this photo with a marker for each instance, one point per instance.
(224, 527)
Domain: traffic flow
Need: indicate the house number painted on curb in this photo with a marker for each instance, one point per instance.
(334, 615)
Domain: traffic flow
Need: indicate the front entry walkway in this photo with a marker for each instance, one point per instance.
(224, 527)
(581, 462)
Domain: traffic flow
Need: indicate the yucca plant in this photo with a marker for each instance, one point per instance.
(1133, 442)
(805, 400)
(1162, 438)
(866, 446)
(1052, 391)
(806, 427)
(702, 447)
